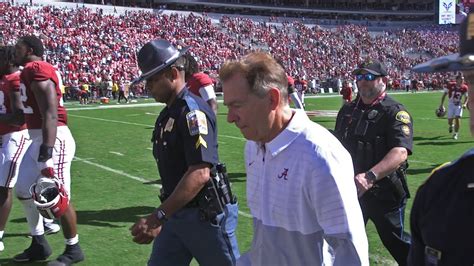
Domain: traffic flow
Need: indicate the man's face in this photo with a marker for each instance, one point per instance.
(369, 88)
(21, 53)
(160, 86)
(247, 111)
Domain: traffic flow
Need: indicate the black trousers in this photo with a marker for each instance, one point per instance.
(387, 211)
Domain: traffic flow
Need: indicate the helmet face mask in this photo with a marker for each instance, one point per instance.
(50, 197)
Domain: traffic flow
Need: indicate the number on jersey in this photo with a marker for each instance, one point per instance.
(26, 109)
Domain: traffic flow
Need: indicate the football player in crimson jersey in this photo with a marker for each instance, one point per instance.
(50, 153)
(200, 83)
(455, 91)
(13, 135)
(301, 87)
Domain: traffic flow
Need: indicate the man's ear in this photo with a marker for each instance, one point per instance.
(275, 98)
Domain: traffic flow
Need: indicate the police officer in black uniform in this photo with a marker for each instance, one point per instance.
(442, 216)
(198, 215)
(377, 132)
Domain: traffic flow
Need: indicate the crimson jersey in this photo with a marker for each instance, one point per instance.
(39, 71)
(300, 85)
(10, 82)
(455, 92)
(197, 81)
(346, 93)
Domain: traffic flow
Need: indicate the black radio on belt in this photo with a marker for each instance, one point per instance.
(213, 197)
(216, 194)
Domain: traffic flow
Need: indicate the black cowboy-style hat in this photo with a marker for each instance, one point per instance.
(155, 56)
(372, 66)
(464, 60)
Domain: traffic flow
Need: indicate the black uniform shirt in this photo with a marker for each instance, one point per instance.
(185, 134)
(442, 217)
(384, 125)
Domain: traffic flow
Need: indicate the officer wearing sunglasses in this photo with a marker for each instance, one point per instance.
(378, 133)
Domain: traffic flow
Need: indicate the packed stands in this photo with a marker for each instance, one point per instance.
(90, 46)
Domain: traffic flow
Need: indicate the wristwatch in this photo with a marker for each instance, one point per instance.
(161, 215)
(370, 175)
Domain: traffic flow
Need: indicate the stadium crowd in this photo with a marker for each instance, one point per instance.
(88, 46)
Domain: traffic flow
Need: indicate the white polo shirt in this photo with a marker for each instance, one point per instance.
(301, 191)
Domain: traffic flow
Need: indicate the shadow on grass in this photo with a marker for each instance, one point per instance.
(431, 138)
(106, 218)
(443, 143)
(9, 261)
(416, 171)
(237, 177)
(234, 177)
(154, 182)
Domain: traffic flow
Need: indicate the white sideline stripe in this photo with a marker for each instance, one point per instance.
(108, 120)
(137, 124)
(143, 180)
(116, 153)
(118, 172)
(114, 106)
(421, 162)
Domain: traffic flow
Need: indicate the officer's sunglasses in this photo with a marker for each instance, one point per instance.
(368, 77)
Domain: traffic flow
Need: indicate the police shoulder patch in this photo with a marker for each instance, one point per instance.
(403, 117)
(197, 123)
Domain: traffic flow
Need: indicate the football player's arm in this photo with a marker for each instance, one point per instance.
(16, 117)
(208, 94)
(47, 103)
(466, 98)
(442, 98)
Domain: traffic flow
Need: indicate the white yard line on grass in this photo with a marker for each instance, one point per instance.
(116, 153)
(140, 179)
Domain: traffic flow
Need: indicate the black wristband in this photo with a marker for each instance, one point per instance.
(45, 153)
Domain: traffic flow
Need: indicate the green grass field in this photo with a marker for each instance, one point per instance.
(115, 179)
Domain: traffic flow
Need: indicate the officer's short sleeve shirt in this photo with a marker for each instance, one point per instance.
(185, 134)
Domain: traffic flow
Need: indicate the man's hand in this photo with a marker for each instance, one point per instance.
(362, 184)
(146, 229)
(47, 168)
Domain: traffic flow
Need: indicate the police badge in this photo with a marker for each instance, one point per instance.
(372, 114)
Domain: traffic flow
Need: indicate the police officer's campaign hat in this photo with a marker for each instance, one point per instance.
(464, 60)
(372, 66)
(155, 56)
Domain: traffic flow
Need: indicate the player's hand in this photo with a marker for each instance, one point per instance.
(146, 229)
(47, 168)
(464, 106)
(441, 107)
(362, 184)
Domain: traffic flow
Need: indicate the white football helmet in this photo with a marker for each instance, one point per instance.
(50, 197)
